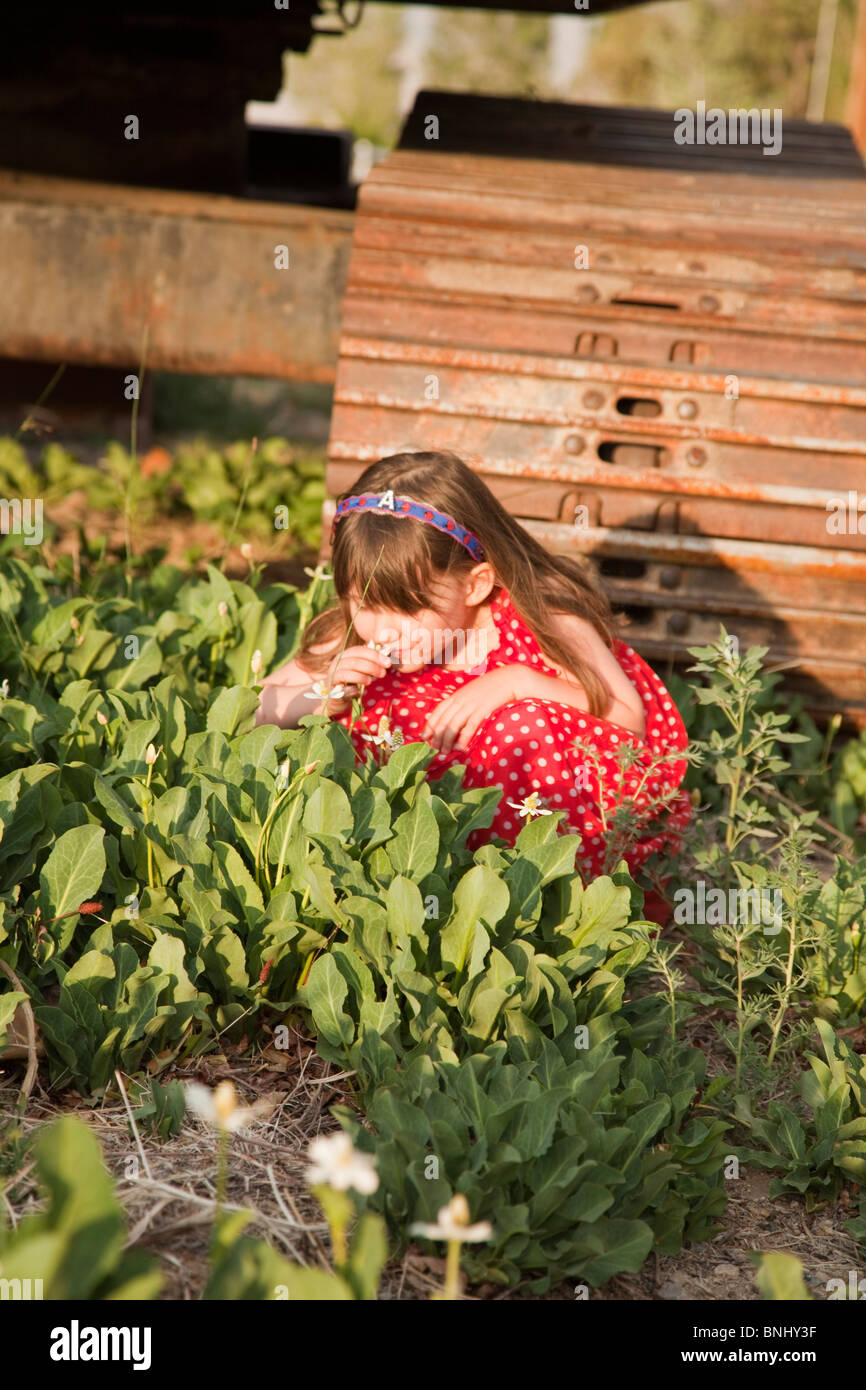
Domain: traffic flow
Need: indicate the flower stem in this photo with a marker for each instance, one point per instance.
(786, 996)
(221, 1173)
(452, 1271)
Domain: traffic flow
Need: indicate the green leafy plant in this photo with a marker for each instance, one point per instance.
(818, 1156)
(75, 1247)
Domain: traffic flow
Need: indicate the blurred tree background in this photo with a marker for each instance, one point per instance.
(667, 55)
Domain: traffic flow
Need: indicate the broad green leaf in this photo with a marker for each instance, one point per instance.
(71, 875)
(325, 993)
(480, 900)
(328, 811)
(414, 848)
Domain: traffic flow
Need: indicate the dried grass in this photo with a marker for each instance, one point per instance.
(168, 1191)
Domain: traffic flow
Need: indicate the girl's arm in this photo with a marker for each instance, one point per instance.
(286, 698)
(283, 699)
(456, 719)
(626, 705)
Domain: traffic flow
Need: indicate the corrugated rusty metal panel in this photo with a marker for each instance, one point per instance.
(85, 268)
(694, 396)
(600, 332)
(786, 218)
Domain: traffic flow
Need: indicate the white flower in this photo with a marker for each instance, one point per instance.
(150, 754)
(452, 1223)
(256, 662)
(385, 736)
(320, 572)
(530, 806)
(101, 718)
(247, 550)
(336, 1161)
(4, 689)
(220, 1108)
(223, 609)
(321, 692)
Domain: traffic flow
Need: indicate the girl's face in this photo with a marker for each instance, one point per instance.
(416, 639)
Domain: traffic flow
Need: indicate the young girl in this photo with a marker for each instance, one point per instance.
(474, 639)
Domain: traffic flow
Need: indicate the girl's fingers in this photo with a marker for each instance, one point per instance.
(366, 668)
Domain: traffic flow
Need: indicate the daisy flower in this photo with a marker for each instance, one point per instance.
(530, 806)
(452, 1223)
(320, 572)
(321, 692)
(220, 1108)
(338, 1164)
(385, 736)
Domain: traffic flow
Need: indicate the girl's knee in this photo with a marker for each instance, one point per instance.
(522, 741)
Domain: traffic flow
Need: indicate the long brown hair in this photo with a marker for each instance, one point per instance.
(405, 562)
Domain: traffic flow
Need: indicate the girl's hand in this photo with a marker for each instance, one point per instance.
(454, 722)
(354, 669)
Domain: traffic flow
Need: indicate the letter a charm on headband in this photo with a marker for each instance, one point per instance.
(417, 511)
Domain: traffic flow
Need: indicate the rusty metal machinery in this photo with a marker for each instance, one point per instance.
(654, 355)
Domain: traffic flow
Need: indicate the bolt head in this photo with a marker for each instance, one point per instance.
(678, 623)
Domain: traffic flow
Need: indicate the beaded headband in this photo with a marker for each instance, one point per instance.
(403, 506)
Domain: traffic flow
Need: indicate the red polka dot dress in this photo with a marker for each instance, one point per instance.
(531, 746)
